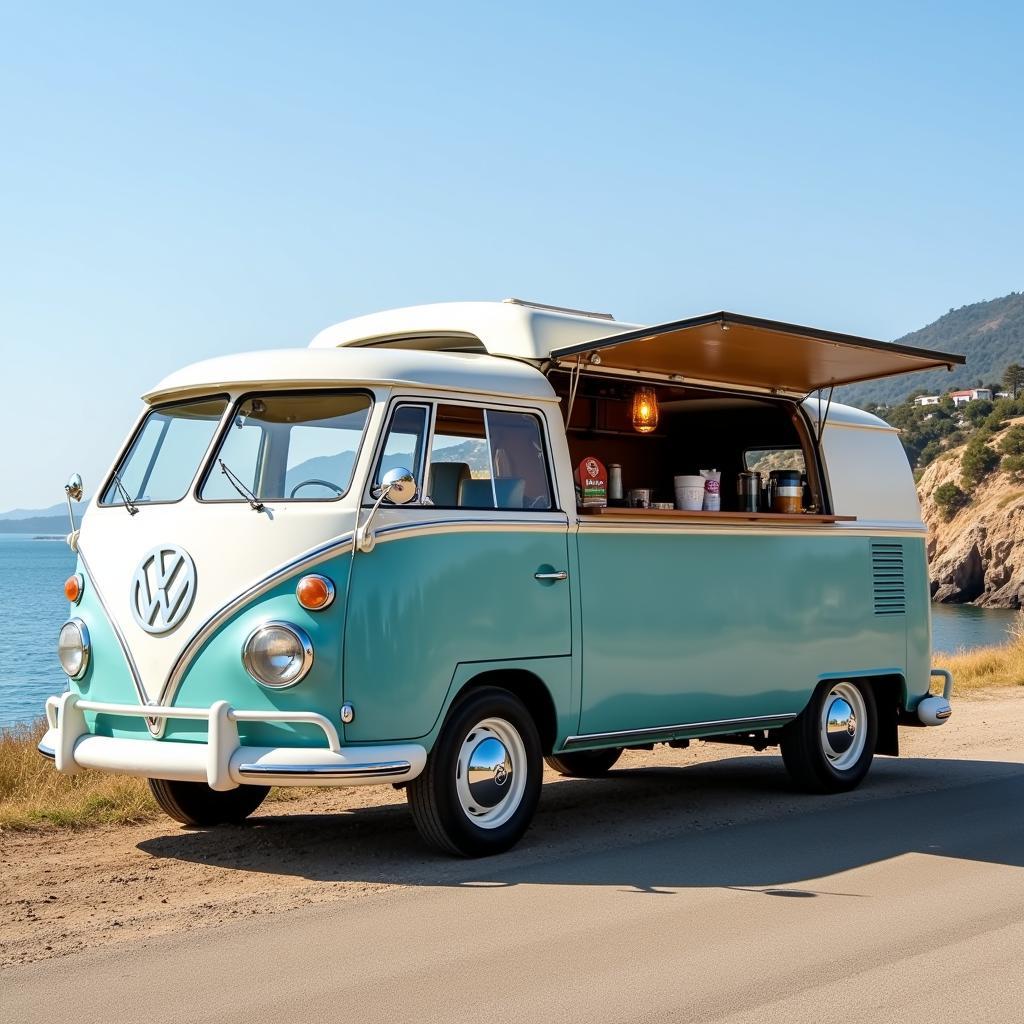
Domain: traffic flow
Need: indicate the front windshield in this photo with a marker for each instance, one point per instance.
(299, 445)
(166, 452)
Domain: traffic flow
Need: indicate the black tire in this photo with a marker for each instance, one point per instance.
(585, 764)
(440, 797)
(194, 803)
(810, 758)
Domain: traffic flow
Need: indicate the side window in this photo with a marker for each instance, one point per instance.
(460, 464)
(488, 459)
(764, 460)
(521, 478)
(403, 447)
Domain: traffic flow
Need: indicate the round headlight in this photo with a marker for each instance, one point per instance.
(73, 648)
(277, 654)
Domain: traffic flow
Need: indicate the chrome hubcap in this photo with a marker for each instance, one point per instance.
(842, 739)
(491, 772)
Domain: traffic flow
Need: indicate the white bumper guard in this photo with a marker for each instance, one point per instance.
(936, 710)
(221, 762)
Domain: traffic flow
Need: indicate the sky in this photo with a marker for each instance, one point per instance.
(183, 180)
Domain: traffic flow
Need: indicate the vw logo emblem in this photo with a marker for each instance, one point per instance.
(500, 775)
(163, 588)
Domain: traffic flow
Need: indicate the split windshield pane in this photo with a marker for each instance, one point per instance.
(166, 452)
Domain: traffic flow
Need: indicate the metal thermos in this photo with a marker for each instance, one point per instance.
(748, 491)
(614, 481)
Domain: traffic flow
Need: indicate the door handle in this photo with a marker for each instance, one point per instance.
(551, 575)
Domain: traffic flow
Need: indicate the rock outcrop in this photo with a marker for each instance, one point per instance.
(976, 556)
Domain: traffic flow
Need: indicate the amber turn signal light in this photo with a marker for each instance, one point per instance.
(73, 587)
(315, 592)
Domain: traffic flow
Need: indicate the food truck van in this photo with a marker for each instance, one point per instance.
(445, 544)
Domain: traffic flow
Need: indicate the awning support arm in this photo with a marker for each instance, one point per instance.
(823, 420)
(574, 382)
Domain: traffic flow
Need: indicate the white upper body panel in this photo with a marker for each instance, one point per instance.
(869, 475)
(307, 367)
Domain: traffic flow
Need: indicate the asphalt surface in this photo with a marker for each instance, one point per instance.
(901, 902)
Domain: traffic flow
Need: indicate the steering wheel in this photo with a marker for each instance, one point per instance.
(323, 483)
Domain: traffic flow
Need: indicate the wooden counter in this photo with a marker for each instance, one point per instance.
(765, 518)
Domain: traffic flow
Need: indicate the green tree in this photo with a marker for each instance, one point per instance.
(1014, 466)
(975, 412)
(1013, 379)
(1013, 441)
(950, 499)
(977, 461)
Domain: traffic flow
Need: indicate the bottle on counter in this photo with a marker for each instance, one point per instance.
(614, 482)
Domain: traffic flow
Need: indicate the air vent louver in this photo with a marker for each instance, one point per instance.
(888, 579)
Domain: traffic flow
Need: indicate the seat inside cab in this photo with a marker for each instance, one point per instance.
(698, 429)
(487, 459)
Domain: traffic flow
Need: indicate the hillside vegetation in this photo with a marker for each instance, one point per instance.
(990, 334)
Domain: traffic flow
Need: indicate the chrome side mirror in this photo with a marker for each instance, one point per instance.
(397, 487)
(73, 492)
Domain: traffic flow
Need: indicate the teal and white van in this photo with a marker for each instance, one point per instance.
(364, 562)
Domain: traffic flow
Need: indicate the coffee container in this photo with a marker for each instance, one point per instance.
(785, 491)
(748, 491)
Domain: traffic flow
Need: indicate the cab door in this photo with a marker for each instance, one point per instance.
(472, 571)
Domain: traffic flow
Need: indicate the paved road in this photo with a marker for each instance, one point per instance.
(902, 902)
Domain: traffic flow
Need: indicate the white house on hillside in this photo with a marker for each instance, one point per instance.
(972, 395)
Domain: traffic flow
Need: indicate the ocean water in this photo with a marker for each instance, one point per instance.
(33, 606)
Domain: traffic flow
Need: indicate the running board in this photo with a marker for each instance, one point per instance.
(668, 732)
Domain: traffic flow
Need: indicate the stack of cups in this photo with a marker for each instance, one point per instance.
(712, 490)
(689, 493)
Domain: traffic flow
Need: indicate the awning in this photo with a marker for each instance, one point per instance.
(728, 348)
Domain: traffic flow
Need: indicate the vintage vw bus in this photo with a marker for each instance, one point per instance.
(364, 562)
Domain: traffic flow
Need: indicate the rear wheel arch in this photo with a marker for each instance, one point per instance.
(529, 688)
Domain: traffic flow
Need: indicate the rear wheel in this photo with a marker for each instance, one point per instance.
(194, 803)
(829, 747)
(482, 781)
(585, 764)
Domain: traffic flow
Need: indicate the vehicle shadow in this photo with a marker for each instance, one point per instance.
(732, 823)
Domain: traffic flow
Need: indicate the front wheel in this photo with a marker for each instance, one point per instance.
(482, 781)
(829, 747)
(194, 803)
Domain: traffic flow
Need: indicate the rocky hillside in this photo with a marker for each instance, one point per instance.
(990, 334)
(978, 554)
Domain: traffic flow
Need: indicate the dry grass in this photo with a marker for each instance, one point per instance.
(987, 667)
(34, 795)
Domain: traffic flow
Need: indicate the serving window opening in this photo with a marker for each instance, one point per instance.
(758, 452)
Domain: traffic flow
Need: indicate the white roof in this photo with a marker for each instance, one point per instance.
(503, 328)
(451, 371)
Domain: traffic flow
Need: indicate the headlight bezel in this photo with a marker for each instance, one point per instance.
(249, 658)
(86, 647)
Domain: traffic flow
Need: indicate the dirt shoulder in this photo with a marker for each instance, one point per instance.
(65, 891)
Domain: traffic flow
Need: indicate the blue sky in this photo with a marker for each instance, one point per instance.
(183, 180)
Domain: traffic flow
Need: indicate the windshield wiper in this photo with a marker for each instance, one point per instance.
(125, 496)
(254, 503)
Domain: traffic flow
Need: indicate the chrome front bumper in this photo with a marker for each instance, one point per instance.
(221, 762)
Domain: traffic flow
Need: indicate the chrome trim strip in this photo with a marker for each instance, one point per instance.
(129, 660)
(383, 769)
(47, 751)
(662, 730)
